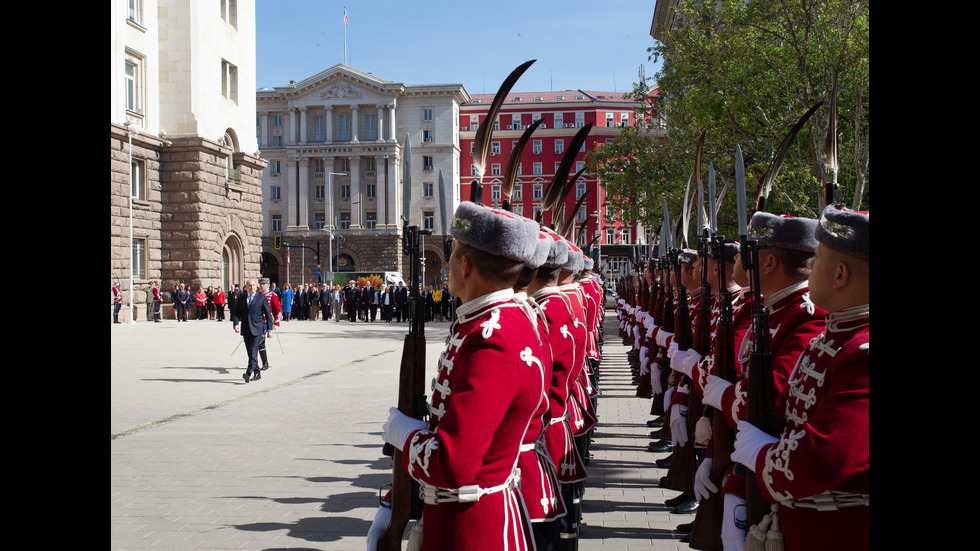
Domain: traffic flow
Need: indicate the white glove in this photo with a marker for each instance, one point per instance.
(678, 424)
(644, 360)
(655, 375)
(714, 389)
(672, 351)
(667, 397)
(686, 365)
(703, 486)
(748, 443)
(662, 337)
(399, 426)
(381, 520)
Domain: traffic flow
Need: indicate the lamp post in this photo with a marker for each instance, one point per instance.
(330, 219)
(130, 130)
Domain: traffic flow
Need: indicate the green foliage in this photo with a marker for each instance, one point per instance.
(744, 73)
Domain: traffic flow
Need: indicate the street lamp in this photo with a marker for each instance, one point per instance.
(130, 130)
(330, 222)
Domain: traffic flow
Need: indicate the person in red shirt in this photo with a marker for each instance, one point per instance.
(157, 300)
(219, 303)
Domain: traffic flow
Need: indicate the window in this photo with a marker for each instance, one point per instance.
(559, 146)
(536, 146)
(135, 13)
(609, 119)
(134, 83)
(276, 223)
(137, 180)
(318, 165)
(277, 141)
(319, 130)
(345, 220)
(426, 189)
(537, 190)
(427, 114)
(139, 259)
(496, 124)
(229, 11)
(427, 136)
(474, 122)
(495, 169)
(318, 220)
(495, 194)
(275, 193)
(610, 236)
(518, 195)
(370, 127)
(275, 167)
(579, 120)
(229, 81)
(276, 120)
(495, 148)
(370, 219)
(624, 119)
(516, 121)
(343, 164)
(557, 165)
(371, 190)
(345, 191)
(579, 189)
(427, 162)
(428, 220)
(579, 165)
(473, 170)
(582, 215)
(319, 191)
(559, 120)
(537, 168)
(345, 128)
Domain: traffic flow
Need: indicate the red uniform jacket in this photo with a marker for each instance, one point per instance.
(489, 384)
(558, 435)
(825, 445)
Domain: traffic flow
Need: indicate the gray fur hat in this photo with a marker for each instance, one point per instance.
(687, 257)
(788, 232)
(588, 263)
(495, 231)
(845, 230)
(558, 251)
(575, 261)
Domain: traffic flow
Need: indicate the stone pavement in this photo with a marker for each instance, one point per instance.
(202, 460)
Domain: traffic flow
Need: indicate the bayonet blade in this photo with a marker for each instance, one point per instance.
(712, 214)
(740, 193)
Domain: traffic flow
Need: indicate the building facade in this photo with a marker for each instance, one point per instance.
(336, 145)
(563, 114)
(185, 175)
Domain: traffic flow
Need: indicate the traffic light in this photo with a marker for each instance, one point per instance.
(278, 242)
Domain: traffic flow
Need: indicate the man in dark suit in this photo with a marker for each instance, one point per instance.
(253, 312)
(401, 302)
(183, 302)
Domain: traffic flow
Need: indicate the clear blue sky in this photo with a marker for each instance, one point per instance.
(578, 44)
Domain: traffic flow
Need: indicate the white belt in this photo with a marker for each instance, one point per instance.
(434, 495)
(830, 501)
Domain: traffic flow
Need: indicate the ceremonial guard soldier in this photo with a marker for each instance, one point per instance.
(116, 301)
(818, 470)
(559, 439)
(786, 245)
(489, 384)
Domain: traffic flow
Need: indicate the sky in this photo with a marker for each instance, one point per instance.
(589, 45)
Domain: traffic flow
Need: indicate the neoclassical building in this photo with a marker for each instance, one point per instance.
(336, 144)
(185, 174)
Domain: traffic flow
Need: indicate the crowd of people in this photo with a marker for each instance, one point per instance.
(762, 408)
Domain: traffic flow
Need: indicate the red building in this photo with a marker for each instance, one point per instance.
(563, 114)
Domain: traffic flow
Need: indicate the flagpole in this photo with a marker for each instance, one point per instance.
(345, 36)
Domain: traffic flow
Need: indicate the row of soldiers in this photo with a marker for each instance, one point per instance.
(501, 460)
(764, 409)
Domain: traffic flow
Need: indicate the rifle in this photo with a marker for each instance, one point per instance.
(706, 530)
(405, 502)
(680, 475)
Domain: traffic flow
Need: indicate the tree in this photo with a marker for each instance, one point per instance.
(742, 73)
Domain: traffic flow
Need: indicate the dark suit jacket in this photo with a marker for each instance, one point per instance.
(256, 319)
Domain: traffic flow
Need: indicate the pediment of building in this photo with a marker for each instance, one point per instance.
(341, 84)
